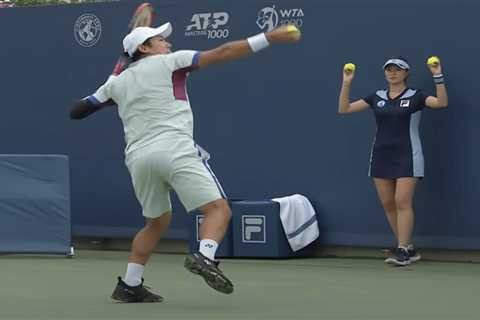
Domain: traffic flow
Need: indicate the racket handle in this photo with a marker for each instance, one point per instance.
(118, 68)
(122, 63)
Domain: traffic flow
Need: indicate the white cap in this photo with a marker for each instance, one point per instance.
(402, 64)
(140, 34)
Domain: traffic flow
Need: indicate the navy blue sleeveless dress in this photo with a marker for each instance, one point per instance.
(397, 149)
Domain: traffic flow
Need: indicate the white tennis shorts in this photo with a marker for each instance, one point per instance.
(181, 166)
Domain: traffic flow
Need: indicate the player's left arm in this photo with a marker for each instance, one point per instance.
(241, 48)
(441, 99)
(191, 60)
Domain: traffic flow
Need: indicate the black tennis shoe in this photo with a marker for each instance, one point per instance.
(413, 254)
(400, 257)
(140, 293)
(208, 269)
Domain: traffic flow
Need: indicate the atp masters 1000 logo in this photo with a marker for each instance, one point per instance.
(87, 30)
(212, 25)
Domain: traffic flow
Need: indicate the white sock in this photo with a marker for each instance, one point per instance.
(410, 247)
(208, 248)
(133, 276)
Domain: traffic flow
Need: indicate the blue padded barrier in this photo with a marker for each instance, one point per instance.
(35, 204)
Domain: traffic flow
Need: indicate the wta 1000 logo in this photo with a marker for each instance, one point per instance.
(270, 17)
(211, 25)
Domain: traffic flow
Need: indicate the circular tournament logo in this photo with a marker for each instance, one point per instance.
(381, 103)
(87, 30)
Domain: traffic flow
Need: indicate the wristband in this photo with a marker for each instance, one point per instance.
(258, 42)
(438, 79)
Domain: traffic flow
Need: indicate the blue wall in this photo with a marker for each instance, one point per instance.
(270, 120)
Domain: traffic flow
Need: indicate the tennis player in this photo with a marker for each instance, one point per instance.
(161, 154)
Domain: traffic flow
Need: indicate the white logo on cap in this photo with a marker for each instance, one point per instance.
(87, 30)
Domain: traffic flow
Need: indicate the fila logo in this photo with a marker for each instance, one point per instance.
(404, 103)
(254, 229)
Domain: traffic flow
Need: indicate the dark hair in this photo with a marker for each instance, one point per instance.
(137, 55)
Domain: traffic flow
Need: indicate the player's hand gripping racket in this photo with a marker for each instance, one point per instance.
(142, 17)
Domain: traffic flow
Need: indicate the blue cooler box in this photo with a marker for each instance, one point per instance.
(225, 249)
(258, 231)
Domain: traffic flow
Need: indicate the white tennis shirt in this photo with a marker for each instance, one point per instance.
(152, 99)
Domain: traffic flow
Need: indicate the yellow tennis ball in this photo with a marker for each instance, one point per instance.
(292, 28)
(294, 31)
(433, 60)
(349, 67)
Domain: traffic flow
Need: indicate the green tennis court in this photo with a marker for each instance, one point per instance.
(37, 287)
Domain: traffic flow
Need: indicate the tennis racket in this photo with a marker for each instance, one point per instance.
(142, 17)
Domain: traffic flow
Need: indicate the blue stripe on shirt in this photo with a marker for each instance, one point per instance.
(196, 59)
(93, 100)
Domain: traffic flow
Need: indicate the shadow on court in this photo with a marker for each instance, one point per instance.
(35, 287)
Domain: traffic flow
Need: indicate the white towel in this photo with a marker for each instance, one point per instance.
(298, 220)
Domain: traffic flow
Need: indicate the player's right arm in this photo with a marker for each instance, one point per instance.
(241, 48)
(91, 104)
(344, 105)
(83, 108)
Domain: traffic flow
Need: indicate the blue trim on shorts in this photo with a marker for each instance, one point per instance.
(205, 163)
(220, 189)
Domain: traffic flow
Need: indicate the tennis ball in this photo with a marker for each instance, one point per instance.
(293, 29)
(433, 60)
(349, 67)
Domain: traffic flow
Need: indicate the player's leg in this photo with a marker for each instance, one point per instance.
(386, 194)
(217, 216)
(130, 288)
(404, 202)
(198, 189)
(144, 243)
(405, 189)
(153, 195)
